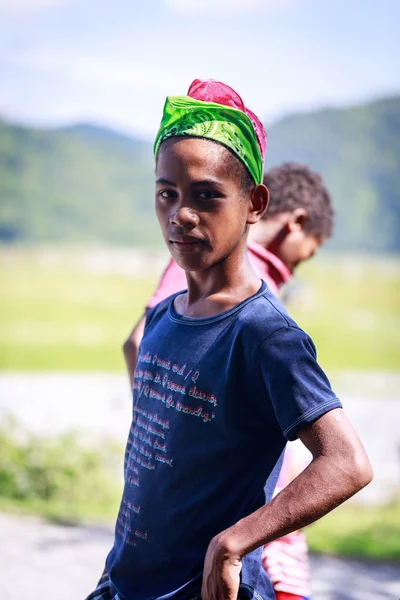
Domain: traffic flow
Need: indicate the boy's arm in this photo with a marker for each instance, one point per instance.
(131, 346)
(172, 280)
(339, 469)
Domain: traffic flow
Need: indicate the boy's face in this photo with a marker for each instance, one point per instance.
(297, 247)
(202, 210)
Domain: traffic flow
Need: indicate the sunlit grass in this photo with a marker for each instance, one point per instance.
(351, 308)
(353, 530)
(38, 475)
(68, 318)
(52, 319)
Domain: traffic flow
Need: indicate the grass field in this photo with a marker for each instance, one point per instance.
(61, 315)
(64, 317)
(353, 530)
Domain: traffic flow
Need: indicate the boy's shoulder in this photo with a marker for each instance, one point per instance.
(266, 317)
(159, 309)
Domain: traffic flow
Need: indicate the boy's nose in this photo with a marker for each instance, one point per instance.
(184, 217)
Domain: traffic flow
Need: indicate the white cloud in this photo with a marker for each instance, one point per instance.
(102, 71)
(229, 6)
(27, 7)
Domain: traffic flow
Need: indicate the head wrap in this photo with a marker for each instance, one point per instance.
(214, 111)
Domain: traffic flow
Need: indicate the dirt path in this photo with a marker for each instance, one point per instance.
(42, 561)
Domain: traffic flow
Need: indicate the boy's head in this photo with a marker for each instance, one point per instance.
(300, 216)
(209, 162)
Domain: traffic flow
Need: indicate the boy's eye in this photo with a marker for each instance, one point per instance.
(167, 194)
(206, 195)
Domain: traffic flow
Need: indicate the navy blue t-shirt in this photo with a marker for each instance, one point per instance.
(214, 401)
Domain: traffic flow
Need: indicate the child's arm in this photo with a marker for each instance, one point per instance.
(339, 469)
(172, 280)
(131, 346)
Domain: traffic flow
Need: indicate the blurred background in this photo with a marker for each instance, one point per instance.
(82, 89)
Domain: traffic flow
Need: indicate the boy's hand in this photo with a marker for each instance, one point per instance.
(221, 575)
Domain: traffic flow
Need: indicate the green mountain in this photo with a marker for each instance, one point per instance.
(90, 184)
(79, 184)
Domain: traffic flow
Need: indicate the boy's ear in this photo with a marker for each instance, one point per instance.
(298, 217)
(259, 204)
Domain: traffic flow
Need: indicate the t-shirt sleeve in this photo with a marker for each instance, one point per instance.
(297, 387)
(172, 280)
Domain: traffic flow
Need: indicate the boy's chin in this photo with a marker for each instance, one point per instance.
(191, 260)
(189, 265)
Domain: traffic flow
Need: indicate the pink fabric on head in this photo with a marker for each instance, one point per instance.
(210, 90)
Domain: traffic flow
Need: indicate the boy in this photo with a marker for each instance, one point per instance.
(298, 220)
(223, 378)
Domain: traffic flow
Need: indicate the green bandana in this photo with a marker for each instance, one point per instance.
(184, 116)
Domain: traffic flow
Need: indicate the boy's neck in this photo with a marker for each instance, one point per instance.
(269, 233)
(219, 288)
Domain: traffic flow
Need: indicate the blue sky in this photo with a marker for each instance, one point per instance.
(114, 61)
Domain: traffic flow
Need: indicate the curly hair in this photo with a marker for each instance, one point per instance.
(292, 186)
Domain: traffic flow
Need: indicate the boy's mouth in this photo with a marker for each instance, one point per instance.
(186, 242)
